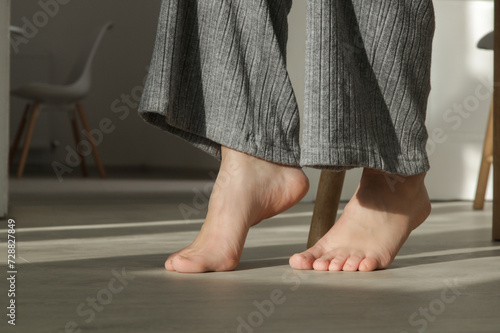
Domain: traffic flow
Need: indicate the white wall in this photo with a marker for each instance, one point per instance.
(459, 69)
(4, 103)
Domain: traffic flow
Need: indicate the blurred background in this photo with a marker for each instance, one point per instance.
(119, 70)
(76, 231)
(136, 150)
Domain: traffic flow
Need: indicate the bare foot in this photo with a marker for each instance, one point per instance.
(247, 190)
(373, 227)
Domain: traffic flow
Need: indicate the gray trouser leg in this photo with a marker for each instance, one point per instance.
(367, 84)
(218, 77)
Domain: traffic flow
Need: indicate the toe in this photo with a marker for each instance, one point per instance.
(337, 262)
(188, 264)
(302, 261)
(169, 262)
(169, 265)
(352, 263)
(200, 263)
(368, 264)
(321, 264)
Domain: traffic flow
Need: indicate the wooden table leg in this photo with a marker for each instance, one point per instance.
(486, 160)
(326, 205)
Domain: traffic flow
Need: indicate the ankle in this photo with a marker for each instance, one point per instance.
(395, 183)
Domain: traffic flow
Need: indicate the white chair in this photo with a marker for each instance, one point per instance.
(72, 93)
(16, 30)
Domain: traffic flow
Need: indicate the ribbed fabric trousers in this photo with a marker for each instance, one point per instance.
(218, 77)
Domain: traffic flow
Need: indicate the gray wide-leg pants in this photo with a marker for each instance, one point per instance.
(218, 77)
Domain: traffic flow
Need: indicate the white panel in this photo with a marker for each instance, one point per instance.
(460, 98)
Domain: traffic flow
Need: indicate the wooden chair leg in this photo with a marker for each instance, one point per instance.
(27, 140)
(486, 161)
(76, 135)
(496, 125)
(19, 134)
(86, 126)
(327, 204)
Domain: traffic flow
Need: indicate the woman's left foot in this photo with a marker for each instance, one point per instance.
(373, 227)
(247, 191)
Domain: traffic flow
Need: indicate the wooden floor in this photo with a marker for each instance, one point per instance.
(91, 253)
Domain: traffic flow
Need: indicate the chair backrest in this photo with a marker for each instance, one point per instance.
(80, 77)
(486, 43)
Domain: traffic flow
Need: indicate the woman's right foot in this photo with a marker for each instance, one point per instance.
(374, 225)
(246, 191)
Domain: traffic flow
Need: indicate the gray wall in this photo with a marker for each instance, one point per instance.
(4, 103)
(119, 68)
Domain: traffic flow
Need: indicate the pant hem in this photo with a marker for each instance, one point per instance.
(342, 159)
(212, 144)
